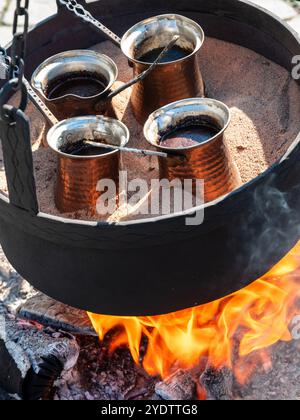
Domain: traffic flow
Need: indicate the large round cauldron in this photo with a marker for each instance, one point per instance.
(161, 265)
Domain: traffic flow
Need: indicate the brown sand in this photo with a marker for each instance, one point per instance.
(265, 105)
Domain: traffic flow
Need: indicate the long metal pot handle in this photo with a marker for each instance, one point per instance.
(145, 73)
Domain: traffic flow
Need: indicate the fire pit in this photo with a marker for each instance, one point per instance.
(113, 268)
(245, 346)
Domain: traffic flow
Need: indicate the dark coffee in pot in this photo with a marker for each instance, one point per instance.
(84, 85)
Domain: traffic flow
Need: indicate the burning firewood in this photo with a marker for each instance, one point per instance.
(47, 311)
(32, 358)
(179, 386)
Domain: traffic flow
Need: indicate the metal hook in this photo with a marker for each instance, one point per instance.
(8, 90)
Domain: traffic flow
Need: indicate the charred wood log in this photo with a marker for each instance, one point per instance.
(179, 386)
(218, 384)
(49, 312)
(32, 358)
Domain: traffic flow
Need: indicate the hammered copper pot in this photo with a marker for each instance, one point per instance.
(76, 62)
(78, 176)
(170, 81)
(208, 161)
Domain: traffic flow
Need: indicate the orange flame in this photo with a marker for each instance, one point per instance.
(225, 332)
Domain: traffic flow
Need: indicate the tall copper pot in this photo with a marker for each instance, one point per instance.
(208, 161)
(170, 81)
(78, 176)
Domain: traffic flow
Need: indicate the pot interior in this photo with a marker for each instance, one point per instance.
(98, 129)
(183, 114)
(75, 67)
(152, 35)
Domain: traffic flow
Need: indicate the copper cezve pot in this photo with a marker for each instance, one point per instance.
(78, 176)
(208, 160)
(170, 81)
(77, 64)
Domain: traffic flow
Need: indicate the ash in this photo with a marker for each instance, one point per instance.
(99, 375)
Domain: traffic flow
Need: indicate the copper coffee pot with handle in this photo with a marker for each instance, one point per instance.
(207, 159)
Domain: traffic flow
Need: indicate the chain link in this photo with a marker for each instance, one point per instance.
(21, 11)
(19, 41)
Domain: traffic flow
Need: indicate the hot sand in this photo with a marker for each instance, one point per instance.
(264, 102)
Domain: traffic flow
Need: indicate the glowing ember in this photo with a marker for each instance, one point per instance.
(234, 332)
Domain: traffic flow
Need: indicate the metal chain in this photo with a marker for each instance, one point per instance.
(13, 69)
(81, 12)
(15, 63)
(19, 41)
(14, 125)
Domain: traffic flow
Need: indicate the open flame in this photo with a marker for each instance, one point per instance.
(235, 332)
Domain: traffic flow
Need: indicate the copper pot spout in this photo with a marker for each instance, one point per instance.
(75, 64)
